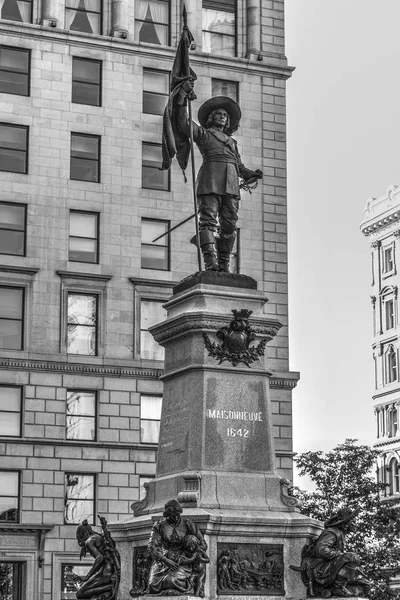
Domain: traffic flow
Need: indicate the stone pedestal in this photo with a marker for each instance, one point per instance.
(216, 451)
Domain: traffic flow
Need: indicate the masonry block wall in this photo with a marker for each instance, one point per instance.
(120, 373)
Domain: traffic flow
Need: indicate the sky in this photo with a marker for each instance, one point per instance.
(342, 130)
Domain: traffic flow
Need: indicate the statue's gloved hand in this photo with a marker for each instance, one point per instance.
(258, 173)
(187, 90)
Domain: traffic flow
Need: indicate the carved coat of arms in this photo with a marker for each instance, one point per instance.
(236, 340)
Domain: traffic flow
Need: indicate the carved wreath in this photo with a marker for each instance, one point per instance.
(236, 340)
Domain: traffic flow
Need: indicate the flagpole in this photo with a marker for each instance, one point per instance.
(185, 29)
(194, 185)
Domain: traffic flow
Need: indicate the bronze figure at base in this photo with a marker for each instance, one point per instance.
(326, 569)
(178, 556)
(102, 581)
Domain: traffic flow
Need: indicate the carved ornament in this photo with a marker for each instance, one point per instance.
(236, 340)
(286, 498)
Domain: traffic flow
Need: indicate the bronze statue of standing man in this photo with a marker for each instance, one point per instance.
(218, 191)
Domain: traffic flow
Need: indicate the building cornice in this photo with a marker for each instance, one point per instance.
(30, 271)
(271, 64)
(77, 368)
(381, 212)
(83, 444)
(85, 276)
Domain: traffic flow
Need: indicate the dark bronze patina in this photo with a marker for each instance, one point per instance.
(236, 340)
(326, 569)
(102, 581)
(218, 180)
(250, 569)
(177, 552)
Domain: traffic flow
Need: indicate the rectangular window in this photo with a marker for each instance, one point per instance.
(222, 87)
(150, 415)
(10, 411)
(151, 313)
(11, 318)
(84, 15)
(11, 580)
(81, 415)
(14, 70)
(13, 148)
(9, 496)
(85, 157)
(16, 10)
(83, 236)
(152, 21)
(391, 365)
(79, 498)
(389, 313)
(388, 259)
(86, 81)
(155, 255)
(155, 91)
(219, 27)
(69, 579)
(12, 228)
(82, 324)
(152, 177)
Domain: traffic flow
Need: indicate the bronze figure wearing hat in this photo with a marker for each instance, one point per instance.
(217, 188)
(326, 569)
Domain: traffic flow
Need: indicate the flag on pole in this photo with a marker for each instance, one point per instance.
(174, 142)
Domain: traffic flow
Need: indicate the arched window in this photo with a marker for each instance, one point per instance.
(391, 364)
(393, 421)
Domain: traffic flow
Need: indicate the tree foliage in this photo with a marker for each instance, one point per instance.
(345, 476)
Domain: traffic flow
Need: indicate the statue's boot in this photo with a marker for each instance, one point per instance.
(225, 243)
(207, 245)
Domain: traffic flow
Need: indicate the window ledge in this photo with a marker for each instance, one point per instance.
(31, 271)
(25, 527)
(153, 282)
(79, 275)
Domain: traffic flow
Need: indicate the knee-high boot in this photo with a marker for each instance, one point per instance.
(225, 245)
(207, 245)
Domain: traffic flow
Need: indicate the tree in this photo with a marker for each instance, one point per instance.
(345, 477)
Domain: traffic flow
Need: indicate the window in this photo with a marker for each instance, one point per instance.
(14, 70)
(222, 87)
(155, 91)
(155, 255)
(142, 480)
(393, 469)
(79, 498)
(388, 259)
(9, 496)
(150, 415)
(86, 81)
(82, 324)
(11, 318)
(393, 421)
(389, 313)
(81, 415)
(85, 157)
(152, 177)
(152, 21)
(10, 411)
(391, 365)
(11, 580)
(13, 148)
(151, 313)
(16, 10)
(12, 228)
(83, 236)
(84, 15)
(69, 582)
(219, 27)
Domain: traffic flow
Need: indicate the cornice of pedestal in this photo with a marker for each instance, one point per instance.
(183, 324)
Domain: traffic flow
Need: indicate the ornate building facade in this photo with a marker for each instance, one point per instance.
(381, 224)
(83, 86)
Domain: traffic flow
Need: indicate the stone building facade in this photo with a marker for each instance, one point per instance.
(83, 84)
(381, 224)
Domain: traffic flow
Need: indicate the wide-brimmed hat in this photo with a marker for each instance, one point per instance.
(231, 107)
(343, 515)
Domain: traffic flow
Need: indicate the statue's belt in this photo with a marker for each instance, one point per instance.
(220, 157)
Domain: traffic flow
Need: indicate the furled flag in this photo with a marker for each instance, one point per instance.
(174, 142)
